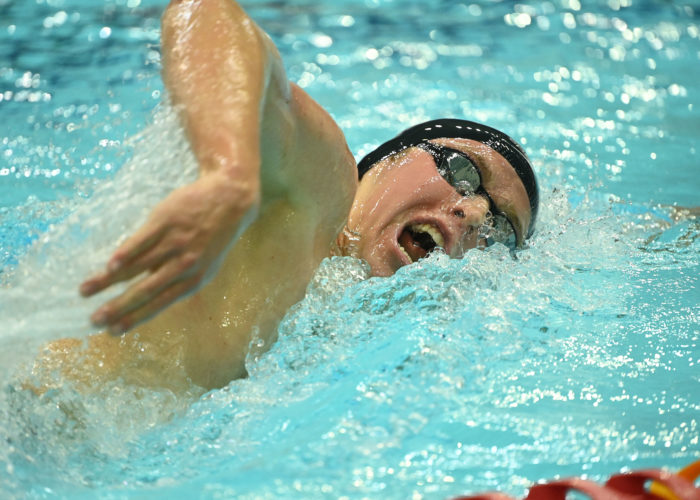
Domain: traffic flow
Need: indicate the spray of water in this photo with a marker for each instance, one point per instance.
(429, 372)
(39, 299)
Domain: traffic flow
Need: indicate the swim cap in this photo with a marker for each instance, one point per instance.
(449, 128)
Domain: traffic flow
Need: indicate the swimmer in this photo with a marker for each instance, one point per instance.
(220, 261)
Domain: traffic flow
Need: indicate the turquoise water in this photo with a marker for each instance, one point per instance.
(452, 377)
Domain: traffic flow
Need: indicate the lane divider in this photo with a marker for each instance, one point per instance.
(647, 484)
(690, 473)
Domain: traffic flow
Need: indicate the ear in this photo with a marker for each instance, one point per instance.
(346, 244)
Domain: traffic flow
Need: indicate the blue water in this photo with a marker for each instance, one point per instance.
(454, 376)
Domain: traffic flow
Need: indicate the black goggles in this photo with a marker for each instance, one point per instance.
(460, 172)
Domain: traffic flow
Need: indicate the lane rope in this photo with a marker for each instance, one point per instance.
(646, 484)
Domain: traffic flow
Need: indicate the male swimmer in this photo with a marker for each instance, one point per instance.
(278, 192)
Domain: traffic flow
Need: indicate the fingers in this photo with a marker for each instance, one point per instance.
(152, 260)
(160, 302)
(148, 296)
(128, 260)
(141, 241)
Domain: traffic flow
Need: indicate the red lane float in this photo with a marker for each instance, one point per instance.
(663, 485)
(690, 473)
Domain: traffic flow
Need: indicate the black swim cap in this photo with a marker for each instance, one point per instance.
(449, 128)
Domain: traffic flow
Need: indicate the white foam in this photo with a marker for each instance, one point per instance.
(39, 299)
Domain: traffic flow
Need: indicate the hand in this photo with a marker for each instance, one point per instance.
(178, 249)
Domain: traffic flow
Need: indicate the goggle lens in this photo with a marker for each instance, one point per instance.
(461, 173)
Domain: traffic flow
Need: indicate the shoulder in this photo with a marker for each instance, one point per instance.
(306, 158)
(326, 167)
(317, 132)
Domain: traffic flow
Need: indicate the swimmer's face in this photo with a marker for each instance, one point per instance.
(404, 207)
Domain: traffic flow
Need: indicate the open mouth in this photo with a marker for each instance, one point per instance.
(418, 240)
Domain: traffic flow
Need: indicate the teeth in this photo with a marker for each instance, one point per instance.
(405, 252)
(434, 233)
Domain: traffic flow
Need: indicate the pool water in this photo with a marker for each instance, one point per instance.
(580, 357)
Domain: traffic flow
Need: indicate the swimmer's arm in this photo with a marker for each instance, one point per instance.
(216, 65)
(219, 68)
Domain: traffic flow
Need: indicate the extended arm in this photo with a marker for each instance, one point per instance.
(219, 69)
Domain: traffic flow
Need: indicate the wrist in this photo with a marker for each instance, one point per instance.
(234, 186)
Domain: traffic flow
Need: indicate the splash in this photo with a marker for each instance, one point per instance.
(454, 375)
(39, 302)
(39, 299)
(422, 376)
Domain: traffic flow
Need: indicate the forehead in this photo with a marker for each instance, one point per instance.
(396, 162)
(499, 180)
(392, 173)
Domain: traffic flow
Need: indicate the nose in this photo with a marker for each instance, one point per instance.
(471, 210)
(469, 213)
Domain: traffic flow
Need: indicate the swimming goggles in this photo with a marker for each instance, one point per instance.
(460, 172)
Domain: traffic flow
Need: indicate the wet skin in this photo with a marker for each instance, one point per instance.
(407, 190)
(221, 260)
(206, 338)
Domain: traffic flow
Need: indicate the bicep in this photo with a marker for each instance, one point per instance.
(218, 66)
